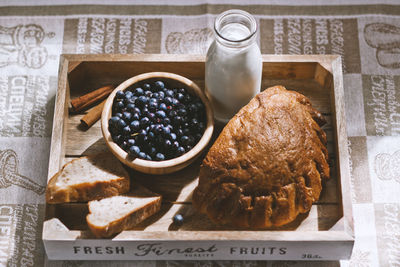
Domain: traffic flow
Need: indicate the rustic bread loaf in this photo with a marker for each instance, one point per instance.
(112, 215)
(88, 178)
(267, 164)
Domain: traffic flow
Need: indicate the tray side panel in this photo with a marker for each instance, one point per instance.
(343, 166)
(60, 120)
(198, 250)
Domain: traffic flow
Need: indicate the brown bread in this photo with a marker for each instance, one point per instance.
(112, 215)
(88, 178)
(267, 164)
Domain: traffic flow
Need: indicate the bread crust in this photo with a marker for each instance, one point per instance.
(151, 204)
(87, 191)
(267, 165)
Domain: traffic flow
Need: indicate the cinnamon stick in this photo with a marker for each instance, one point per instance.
(93, 115)
(85, 101)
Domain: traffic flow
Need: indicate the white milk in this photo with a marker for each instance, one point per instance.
(233, 66)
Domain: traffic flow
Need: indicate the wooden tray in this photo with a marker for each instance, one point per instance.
(326, 233)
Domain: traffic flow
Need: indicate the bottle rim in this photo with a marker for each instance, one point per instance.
(253, 27)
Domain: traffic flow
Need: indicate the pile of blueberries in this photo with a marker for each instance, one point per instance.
(152, 122)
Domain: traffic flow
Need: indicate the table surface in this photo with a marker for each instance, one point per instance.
(366, 34)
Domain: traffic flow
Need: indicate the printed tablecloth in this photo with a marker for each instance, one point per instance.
(34, 33)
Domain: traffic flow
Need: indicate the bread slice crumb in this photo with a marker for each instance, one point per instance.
(112, 215)
(88, 178)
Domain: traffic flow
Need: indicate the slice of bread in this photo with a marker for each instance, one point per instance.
(112, 215)
(88, 178)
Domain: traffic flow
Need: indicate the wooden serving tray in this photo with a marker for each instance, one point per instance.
(325, 233)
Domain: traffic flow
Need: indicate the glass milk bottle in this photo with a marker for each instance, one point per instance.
(233, 64)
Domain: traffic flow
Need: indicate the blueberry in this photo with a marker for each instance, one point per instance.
(142, 133)
(178, 219)
(131, 142)
(151, 135)
(194, 123)
(124, 145)
(162, 106)
(180, 96)
(177, 120)
(138, 91)
(182, 112)
(147, 86)
(144, 121)
(192, 108)
(160, 114)
(127, 116)
(159, 85)
(137, 110)
(168, 100)
(113, 130)
(135, 116)
(135, 126)
(175, 145)
(142, 155)
(148, 157)
(113, 121)
(134, 151)
(120, 95)
(172, 136)
(187, 99)
(141, 101)
(167, 144)
(130, 107)
(174, 102)
(128, 101)
(166, 121)
(199, 105)
(172, 113)
(166, 131)
(182, 91)
(151, 116)
(185, 140)
(145, 111)
(161, 95)
(158, 129)
(197, 137)
(128, 94)
(156, 95)
(186, 131)
(179, 132)
(188, 147)
(159, 157)
(152, 151)
(148, 93)
(201, 126)
(119, 105)
(169, 93)
(117, 138)
(153, 106)
(191, 140)
(120, 124)
(126, 131)
(118, 114)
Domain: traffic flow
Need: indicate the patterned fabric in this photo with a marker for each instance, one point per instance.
(34, 34)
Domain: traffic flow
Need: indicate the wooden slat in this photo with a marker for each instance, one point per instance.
(319, 218)
(60, 112)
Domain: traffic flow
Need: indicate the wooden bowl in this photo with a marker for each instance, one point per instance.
(167, 166)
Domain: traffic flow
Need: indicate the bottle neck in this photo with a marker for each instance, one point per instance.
(235, 29)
